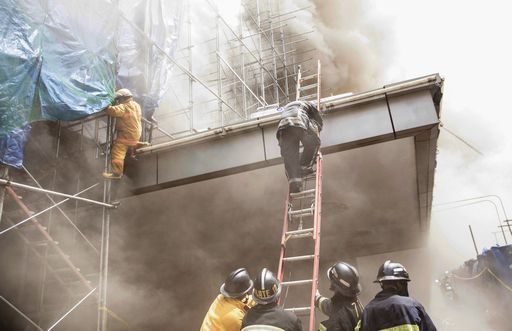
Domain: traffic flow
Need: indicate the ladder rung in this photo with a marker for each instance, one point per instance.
(310, 176)
(298, 309)
(300, 232)
(39, 243)
(300, 236)
(298, 258)
(62, 270)
(307, 87)
(297, 282)
(309, 77)
(301, 212)
(306, 97)
(303, 194)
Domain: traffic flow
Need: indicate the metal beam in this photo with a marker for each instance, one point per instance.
(62, 211)
(42, 212)
(4, 182)
(21, 313)
(70, 310)
(49, 238)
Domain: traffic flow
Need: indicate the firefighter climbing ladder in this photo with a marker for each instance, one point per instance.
(302, 221)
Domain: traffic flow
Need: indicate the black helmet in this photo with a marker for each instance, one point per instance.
(344, 279)
(237, 284)
(267, 288)
(392, 271)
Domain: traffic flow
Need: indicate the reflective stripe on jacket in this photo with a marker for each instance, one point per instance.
(128, 123)
(225, 314)
(389, 311)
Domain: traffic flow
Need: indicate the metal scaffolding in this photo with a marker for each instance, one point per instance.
(238, 72)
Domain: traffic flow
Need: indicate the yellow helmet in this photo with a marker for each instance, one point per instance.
(124, 92)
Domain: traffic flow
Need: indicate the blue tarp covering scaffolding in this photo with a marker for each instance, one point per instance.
(63, 60)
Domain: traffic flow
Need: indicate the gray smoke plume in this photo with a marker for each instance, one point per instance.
(351, 42)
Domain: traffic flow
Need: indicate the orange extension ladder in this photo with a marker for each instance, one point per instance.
(302, 220)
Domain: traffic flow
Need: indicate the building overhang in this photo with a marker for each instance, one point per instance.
(388, 134)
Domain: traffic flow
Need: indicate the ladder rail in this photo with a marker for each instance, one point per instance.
(297, 87)
(318, 212)
(280, 270)
(316, 238)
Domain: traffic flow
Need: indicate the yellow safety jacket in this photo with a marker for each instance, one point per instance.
(225, 314)
(128, 123)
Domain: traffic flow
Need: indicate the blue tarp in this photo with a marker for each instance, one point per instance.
(59, 59)
(502, 257)
(11, 146)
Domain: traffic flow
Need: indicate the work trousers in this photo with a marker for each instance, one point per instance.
(289, 141)
(118, 154)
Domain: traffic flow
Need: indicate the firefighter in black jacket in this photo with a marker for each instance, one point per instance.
(344, 308)
(392, 309)
(300, 123)
(265, 313)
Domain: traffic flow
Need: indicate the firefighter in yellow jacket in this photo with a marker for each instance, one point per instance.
(128, 130)
(229, 308)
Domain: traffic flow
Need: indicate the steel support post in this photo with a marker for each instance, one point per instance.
(105, 234)
(4, 172)
(190, 80)
(242, 65)
(219, 77)
(262, 77)
(272, 45)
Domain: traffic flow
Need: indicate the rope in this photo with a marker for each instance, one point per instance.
(481, 273)
(500, 281)
(115, 316)
(469, 278)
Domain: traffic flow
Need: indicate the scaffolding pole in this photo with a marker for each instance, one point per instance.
(72, 309)
(21, 313)
(33, 216)
(62, 211)
(47, 236)
(4, 172)
(4, 182)
(105, 234)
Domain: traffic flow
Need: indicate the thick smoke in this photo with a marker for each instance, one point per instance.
(352, 43)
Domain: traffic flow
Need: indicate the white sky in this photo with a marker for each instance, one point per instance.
(468, 43)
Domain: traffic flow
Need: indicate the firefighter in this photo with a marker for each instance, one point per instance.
(392, 309)
(228, 309)
(266, 315)
(128, 130)
(343, 308)
(300, 123)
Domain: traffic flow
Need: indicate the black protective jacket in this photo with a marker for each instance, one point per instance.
(392, 312)
(343, 312)
(302, 114)
(272, 315)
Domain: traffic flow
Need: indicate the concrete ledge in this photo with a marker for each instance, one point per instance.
(395, 111)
